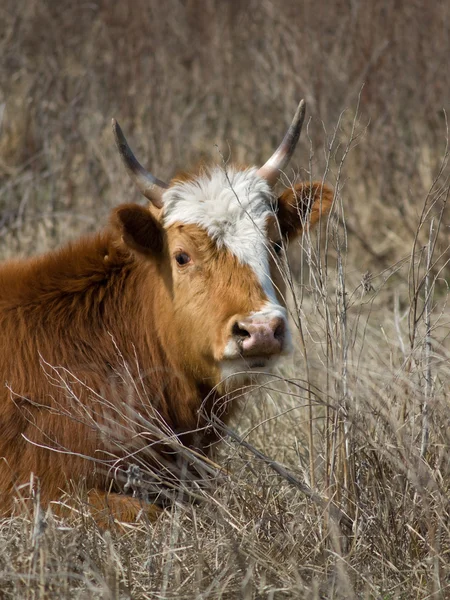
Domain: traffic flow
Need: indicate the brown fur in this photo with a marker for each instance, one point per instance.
(303, 203)
(109, 327)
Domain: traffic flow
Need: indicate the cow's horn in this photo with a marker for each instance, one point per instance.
(279, 160)
(150, 186)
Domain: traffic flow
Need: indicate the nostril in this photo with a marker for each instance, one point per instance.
(279, 332)
(239, 331)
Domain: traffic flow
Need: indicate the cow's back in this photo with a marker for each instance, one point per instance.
(57, 325)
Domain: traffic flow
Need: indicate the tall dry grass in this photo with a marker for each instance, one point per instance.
(349, 498)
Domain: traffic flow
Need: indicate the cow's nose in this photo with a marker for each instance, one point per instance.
(260, 337)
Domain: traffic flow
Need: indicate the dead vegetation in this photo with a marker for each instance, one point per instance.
(359, 420)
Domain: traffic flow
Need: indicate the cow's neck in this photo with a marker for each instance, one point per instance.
(190, 397)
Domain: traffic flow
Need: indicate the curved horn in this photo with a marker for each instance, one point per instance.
(279, 160)
(150, 186)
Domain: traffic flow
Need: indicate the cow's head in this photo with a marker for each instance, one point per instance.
(218, 237)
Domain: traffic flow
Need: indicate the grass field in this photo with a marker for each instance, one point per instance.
(337, 480)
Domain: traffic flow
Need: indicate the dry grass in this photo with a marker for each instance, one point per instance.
(360, 418)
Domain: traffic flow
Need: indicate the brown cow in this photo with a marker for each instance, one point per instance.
(147, 322)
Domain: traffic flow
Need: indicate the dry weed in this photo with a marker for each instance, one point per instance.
(359, 420)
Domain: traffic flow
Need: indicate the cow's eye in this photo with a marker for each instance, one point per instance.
(182, 258)
(277, 247)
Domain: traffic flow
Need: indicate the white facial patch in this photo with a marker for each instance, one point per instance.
(233, 207)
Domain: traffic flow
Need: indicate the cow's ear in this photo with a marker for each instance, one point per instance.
(138, 229)
(302, 205)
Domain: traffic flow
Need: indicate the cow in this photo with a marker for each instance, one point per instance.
(161, 317)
